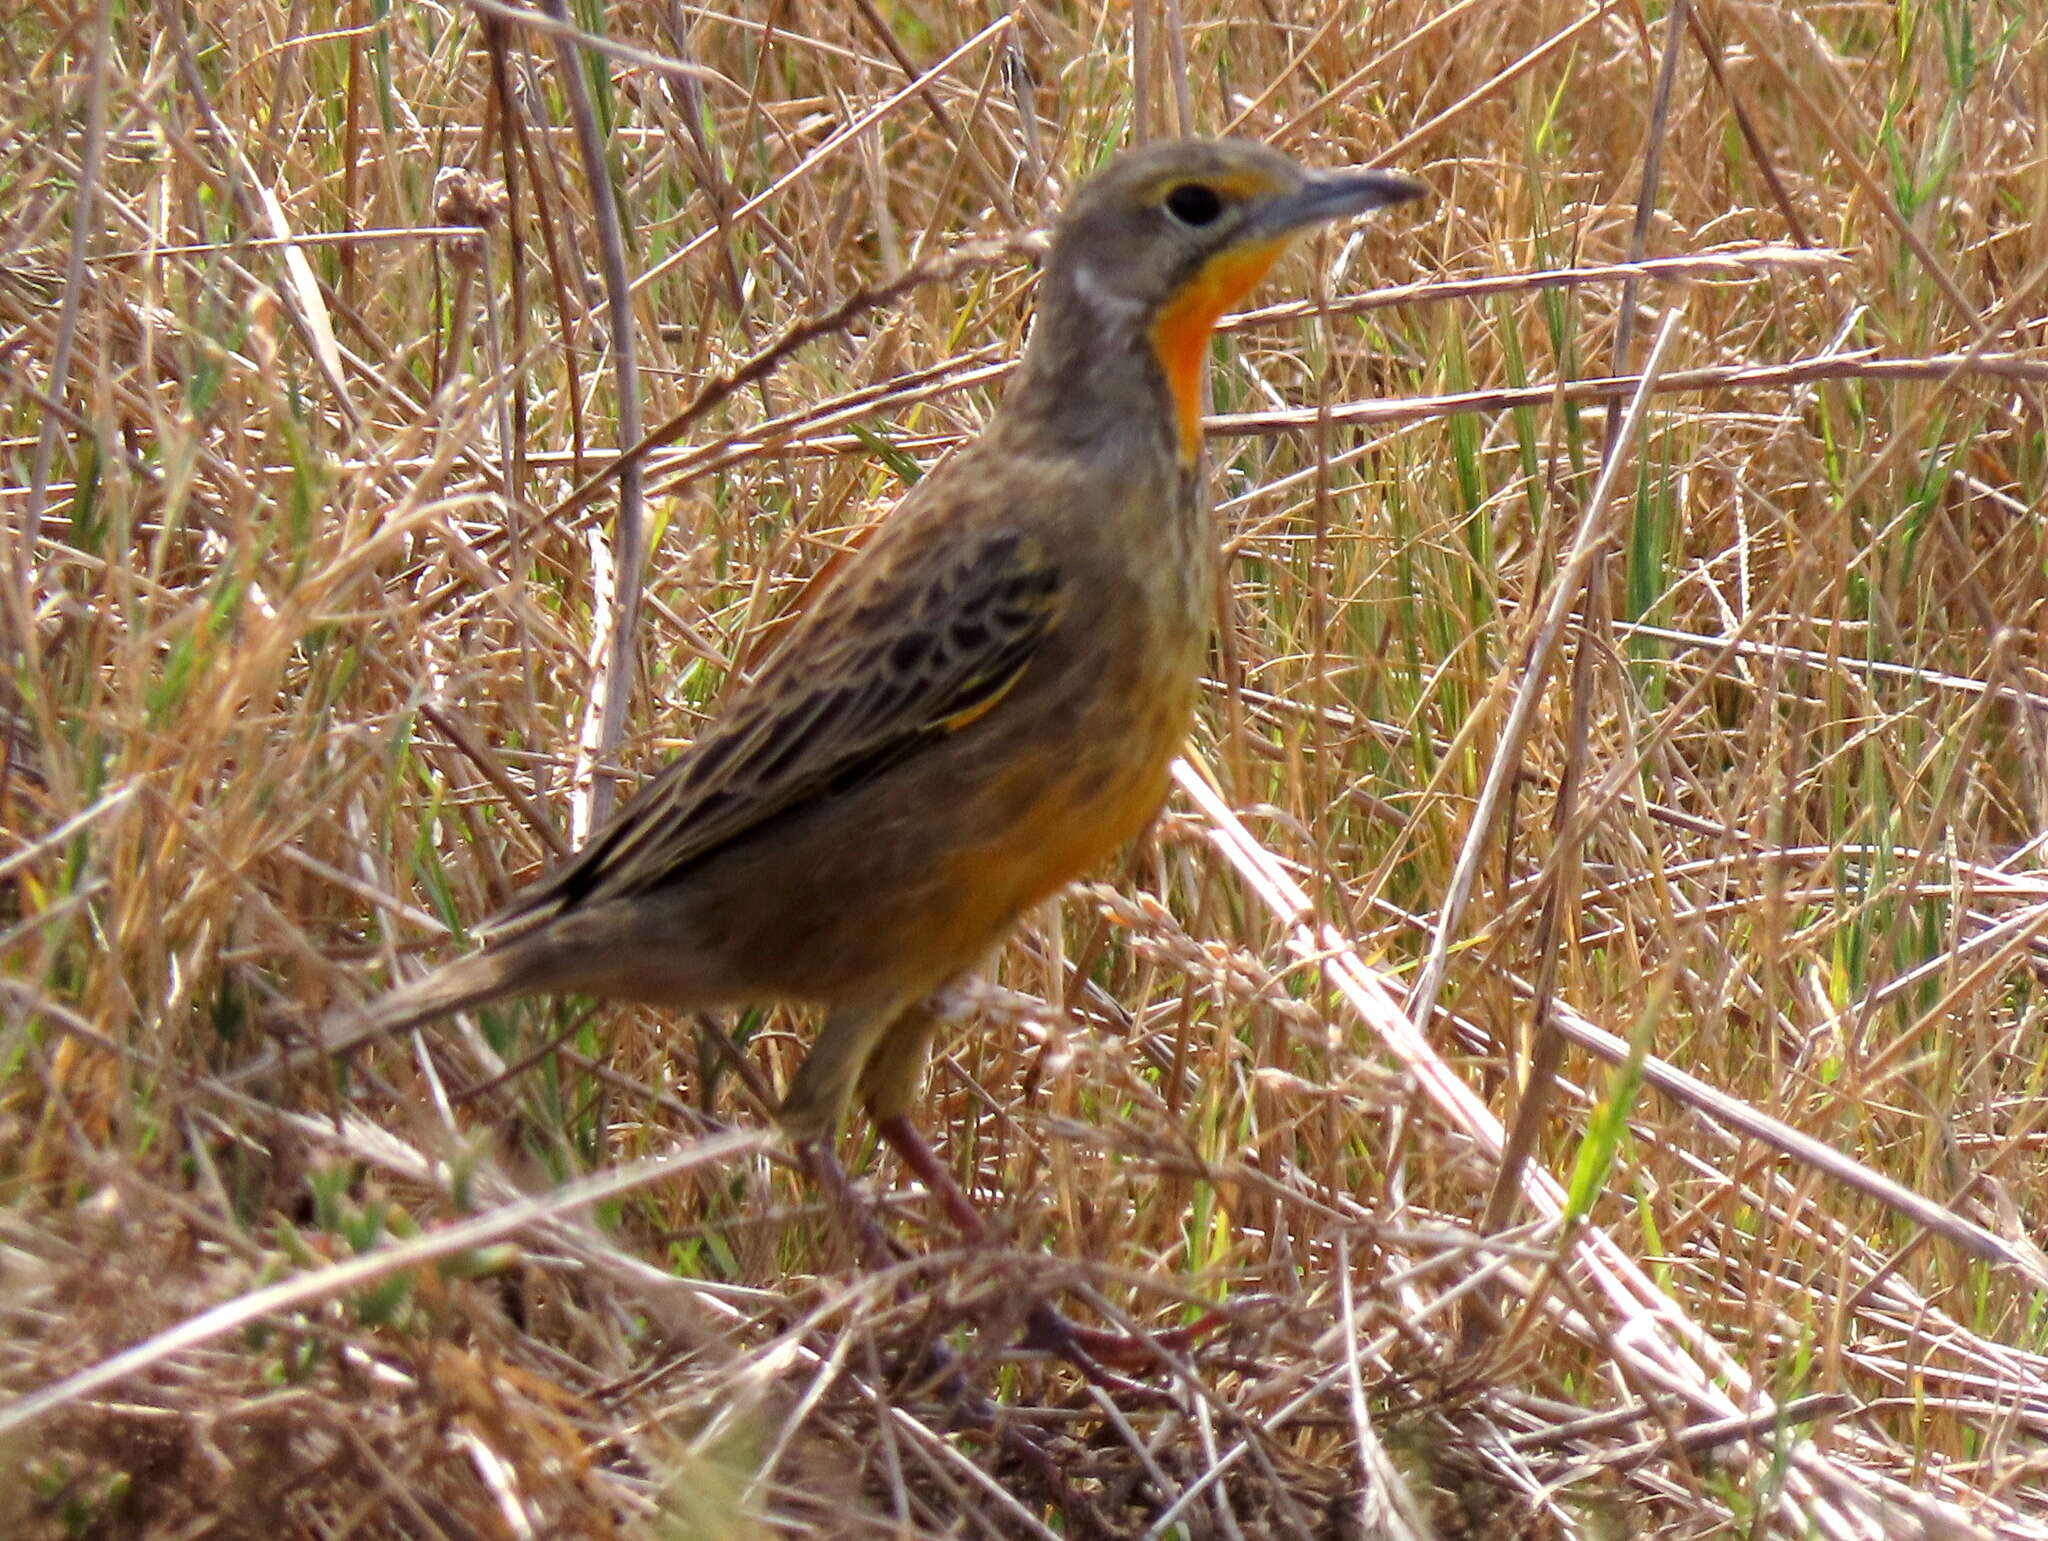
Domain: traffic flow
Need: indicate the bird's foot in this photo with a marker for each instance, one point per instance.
(1096, 1353)
(1104, 1357)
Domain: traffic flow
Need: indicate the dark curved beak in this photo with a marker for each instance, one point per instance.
(1331, 195)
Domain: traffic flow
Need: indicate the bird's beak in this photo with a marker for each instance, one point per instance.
(1330, 195)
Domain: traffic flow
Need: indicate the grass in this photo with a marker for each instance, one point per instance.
(1686, 735)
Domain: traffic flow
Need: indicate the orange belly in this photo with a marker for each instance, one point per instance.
(1066, 815)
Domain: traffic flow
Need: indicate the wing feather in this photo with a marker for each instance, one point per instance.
(881, 669)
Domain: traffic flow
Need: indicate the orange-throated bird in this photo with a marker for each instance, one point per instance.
(980, 708)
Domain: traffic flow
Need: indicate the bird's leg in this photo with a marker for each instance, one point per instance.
(940, 1367)
(853, 1212)
(916, 1153)
(853, 1039)
(1088, 1348)
(889, 1081)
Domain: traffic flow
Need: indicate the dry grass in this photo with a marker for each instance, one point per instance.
(1716, 721)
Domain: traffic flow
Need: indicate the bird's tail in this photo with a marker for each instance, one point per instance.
(483, 976)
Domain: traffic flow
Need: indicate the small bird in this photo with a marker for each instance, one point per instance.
(984, 703)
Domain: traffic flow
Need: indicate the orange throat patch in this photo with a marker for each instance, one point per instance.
(1180, 337)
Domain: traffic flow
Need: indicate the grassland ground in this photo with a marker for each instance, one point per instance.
(1634, 667)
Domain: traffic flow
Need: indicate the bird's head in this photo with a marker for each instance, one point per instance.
(1166, 238)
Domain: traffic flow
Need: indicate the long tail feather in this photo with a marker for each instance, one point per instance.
(471, 981)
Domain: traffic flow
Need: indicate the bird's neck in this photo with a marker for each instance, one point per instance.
(1099, 357)
(1091, 375)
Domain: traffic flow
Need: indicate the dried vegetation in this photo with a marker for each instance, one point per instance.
(1649, 655)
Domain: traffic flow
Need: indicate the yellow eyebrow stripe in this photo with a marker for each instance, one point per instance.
(1235, 186)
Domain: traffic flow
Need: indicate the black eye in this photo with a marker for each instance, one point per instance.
(1194, 203)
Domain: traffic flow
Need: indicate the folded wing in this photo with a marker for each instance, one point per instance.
(877, 671)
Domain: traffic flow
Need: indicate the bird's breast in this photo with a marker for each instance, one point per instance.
(1081, 765)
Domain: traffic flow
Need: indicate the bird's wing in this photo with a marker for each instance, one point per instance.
(888, 661)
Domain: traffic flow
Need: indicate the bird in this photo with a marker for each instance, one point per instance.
(981, 705)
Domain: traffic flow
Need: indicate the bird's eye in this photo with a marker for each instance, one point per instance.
(1194, 204)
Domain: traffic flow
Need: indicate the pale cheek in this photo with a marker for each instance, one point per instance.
(1105, 302)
